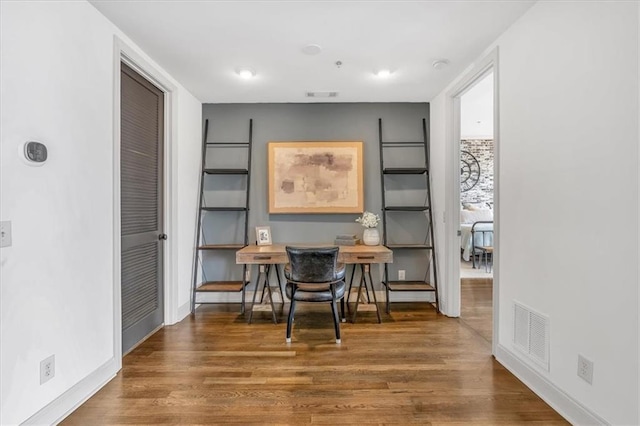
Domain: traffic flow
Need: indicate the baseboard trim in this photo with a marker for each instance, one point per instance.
(54, 412)
(569, 408)
(183, 312)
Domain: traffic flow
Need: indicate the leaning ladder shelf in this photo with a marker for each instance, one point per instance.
(429, 283)
(201, 284)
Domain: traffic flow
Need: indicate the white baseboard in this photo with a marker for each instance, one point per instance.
(54, 412)
(183, 311)
(564, 404)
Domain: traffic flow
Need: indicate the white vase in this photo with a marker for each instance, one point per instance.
(371, 237)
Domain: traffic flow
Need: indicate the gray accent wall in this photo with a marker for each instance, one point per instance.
(308, 122)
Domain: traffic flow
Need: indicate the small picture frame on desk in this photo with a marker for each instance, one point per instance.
(263, 235)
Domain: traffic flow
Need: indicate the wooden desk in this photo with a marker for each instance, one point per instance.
(275, 254)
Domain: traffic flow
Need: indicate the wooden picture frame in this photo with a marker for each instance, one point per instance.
(263, 235)
(316, 177)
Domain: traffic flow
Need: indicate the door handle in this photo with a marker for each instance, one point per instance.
(162, 236)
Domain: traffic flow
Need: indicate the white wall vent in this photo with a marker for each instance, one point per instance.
(321, 94)
(531, 334)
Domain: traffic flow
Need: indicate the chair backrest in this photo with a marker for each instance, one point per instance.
(313, 265)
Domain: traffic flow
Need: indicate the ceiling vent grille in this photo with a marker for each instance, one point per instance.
(321, 94)
(531, 334)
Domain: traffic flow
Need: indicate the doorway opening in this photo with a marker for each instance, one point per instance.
(452, 291)
(477, 158)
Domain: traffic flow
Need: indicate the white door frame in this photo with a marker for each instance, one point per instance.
(124, 53)
(486, 65)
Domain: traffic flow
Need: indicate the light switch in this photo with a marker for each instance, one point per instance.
(5, 233)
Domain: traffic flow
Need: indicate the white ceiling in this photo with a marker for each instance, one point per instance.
(202, 43)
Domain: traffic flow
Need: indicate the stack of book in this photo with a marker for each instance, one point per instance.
(346, 240)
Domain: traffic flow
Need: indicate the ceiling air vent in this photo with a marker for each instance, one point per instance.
(321, 94)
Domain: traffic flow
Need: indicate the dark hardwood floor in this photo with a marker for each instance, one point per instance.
(416, 367)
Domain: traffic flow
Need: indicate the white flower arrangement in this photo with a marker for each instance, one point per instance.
(368, 220)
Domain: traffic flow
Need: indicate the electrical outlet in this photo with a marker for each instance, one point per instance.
(401, 275)
(5, 233)
(585, 369)
(47, 369)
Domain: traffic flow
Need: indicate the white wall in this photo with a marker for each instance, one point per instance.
(568, 83)
(189, 156)
(57, 280)
(476, 110)
(437, 154)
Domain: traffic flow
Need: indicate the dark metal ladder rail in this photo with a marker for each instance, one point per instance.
(200, 247)
(427, 208)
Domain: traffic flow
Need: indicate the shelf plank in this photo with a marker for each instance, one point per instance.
(409, 246)
(388, 144)
(405, 171)
(228, 144)
(406, 208)
(221, 247)
(224, 209)
(408, 286)
(226, 171)
(220, 286)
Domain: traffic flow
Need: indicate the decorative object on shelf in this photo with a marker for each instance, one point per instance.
(370, 236)
(346, 240)
(263, 235)
(368, 220)
(315, 177)
(469, 171)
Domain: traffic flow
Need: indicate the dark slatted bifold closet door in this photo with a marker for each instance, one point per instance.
(141, 189)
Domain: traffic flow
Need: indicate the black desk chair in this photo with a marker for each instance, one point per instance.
(314, 275)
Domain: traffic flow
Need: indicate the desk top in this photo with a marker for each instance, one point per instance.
(277, 254)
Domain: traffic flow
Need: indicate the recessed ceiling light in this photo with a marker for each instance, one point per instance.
(246, 73)
(311, 49)
(440, 64)
(384, 73)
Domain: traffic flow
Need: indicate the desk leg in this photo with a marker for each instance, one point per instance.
(365, 288)
(367, 267)
(244, 288)
(366, 272)
(355, 310)
(277, 268)
(268, 286)
(263, 275)
(353, 272)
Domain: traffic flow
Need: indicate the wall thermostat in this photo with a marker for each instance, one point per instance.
(35, 153)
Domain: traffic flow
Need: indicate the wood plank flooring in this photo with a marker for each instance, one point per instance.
(417, 367)
(476, 305)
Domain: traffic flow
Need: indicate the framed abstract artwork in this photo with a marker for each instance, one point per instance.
(315, 177)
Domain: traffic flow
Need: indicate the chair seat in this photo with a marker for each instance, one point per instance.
(341, 271)
(311, 294)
